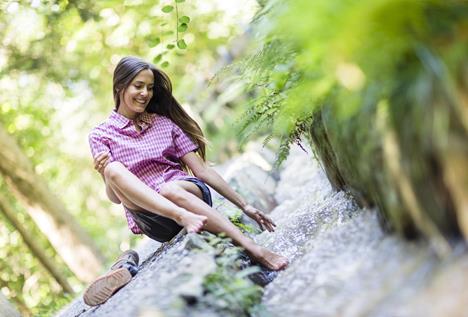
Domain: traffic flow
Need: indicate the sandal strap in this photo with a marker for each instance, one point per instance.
(127, 259)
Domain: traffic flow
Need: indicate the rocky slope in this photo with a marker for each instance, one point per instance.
(342, 263)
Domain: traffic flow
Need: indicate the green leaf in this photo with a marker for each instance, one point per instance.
(184, 19)
(179, 1)
(170, 46)
(157, 59)
(167, 9)
(182, 27)
(152, 42)
(181, 44)
(165, 64)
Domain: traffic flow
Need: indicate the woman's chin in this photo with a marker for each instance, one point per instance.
(139, 109)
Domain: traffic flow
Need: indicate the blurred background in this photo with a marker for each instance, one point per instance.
(378, 88)
(56, 64)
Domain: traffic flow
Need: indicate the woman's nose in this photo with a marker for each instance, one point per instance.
(144, 92)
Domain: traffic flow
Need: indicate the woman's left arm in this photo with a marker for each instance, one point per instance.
(208, 175)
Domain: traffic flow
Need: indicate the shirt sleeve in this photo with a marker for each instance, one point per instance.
(183, 144)
(98, 144)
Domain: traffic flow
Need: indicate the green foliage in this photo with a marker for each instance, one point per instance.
(22, 275)
(380, 85)
(390, 67)
(236, 219)
(56, 83)
(229, 290)
(181, 27)
(167, 9)
(184, 19)
(270, 75)
(181, 44)
(341, 53)
(53, 307)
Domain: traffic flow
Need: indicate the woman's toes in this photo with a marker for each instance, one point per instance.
(284, 264)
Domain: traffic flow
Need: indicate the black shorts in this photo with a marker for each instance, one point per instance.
(163, 229)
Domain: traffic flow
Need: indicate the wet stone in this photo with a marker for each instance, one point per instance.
(341, 262)
(171, 276)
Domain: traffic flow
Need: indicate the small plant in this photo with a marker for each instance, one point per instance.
(181, 26)
(228, 289)
(236, 220)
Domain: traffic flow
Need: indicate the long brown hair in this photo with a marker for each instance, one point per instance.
(163, 102)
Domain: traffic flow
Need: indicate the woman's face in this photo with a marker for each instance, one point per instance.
(137, 95)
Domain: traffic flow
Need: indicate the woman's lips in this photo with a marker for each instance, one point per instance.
(141, 101)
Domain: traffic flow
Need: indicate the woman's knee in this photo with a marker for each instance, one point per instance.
(113, 171)
(173, 191)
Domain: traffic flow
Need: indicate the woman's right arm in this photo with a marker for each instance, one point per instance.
(100, 162)
(101, 156)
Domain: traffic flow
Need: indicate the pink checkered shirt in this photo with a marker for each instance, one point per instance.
(149, 147)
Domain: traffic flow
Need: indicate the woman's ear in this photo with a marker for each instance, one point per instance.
(121, 94)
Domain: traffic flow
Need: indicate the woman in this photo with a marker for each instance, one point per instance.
(143, 151)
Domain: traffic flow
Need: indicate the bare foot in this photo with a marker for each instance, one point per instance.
(269, 259)
(193, 222)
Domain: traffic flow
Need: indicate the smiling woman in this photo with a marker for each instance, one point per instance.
(64, 49)
(143, 152)
(137, 95)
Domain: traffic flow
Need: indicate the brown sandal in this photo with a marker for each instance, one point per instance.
(105, 286)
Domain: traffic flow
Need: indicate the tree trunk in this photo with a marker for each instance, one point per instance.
(36, 250)
(64, 233)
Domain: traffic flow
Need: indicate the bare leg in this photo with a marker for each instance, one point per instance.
(185, 194)
(180, 202)
(136, 195)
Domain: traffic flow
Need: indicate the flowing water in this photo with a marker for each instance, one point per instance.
(343, 264)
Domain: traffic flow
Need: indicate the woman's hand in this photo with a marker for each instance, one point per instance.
(212, 178)
(100, 161)
(263, 220)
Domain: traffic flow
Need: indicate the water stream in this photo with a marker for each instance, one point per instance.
(343, 264)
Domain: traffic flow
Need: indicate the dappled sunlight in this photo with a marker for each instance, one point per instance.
(59, 60)
(377, 88)
(25, 26)
(350, 76)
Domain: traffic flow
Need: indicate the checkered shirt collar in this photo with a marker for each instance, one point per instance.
(143, 121)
